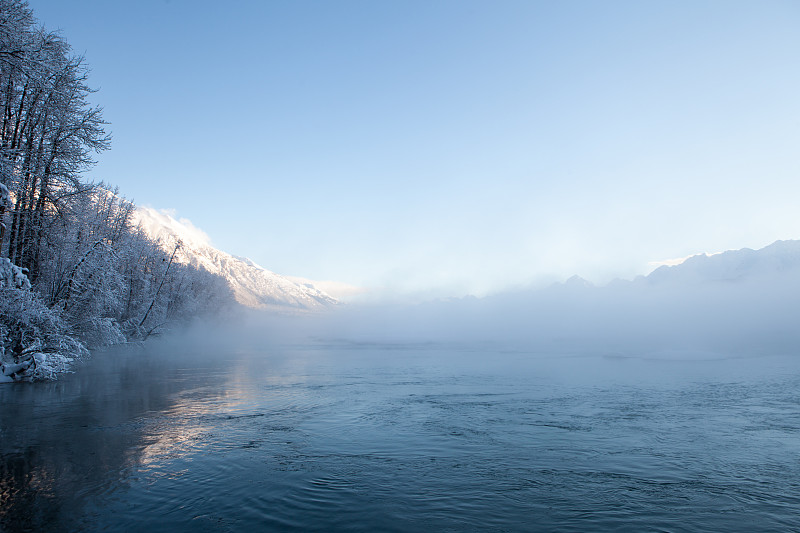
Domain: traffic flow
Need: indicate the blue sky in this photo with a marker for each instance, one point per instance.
(452, 147)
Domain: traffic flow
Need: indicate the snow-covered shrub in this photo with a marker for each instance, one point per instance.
(74, 271)
(101, 331)
(36, 342)
(12, 276)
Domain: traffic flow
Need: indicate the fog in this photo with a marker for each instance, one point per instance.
(647, 317)
(643, 404)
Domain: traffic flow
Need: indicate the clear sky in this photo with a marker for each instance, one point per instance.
(452, 147)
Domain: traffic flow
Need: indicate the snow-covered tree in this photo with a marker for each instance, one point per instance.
(73, 270)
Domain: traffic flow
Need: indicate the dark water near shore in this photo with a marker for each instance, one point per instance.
(394, 438)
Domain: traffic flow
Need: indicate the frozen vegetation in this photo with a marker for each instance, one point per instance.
(76, 271)
(82, 267)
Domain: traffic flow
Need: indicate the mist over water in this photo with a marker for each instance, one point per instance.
(404, 147)
(621, 408)
(649, 317)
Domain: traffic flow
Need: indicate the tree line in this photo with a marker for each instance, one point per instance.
(74, 269)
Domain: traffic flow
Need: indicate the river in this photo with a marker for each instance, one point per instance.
(391, 437)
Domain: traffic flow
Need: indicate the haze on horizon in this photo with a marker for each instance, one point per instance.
(452, 147)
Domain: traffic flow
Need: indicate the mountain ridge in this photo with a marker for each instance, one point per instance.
(252, 285)
(780, 257)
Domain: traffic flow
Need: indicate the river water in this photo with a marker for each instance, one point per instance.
(370, 437)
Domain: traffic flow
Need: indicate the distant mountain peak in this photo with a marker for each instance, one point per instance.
(731, 265)
(252, 285)
(577, 281)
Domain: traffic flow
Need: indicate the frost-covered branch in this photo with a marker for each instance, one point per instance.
(74, 272)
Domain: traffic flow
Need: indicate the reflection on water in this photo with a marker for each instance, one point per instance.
(70, 442)
(365, 438)
(27, 500)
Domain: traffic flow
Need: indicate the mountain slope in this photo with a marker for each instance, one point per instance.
(779, 259)
(252, 285)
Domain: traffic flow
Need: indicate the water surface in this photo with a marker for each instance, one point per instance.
(402, 438)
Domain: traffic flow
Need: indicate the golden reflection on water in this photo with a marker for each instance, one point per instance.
(180, 430)
(189, 425)
(93, 429)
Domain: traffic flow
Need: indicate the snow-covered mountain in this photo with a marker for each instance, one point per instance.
(252, 285)
(779, 259)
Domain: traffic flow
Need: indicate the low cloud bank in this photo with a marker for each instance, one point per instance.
(628, 319)
(737, 303)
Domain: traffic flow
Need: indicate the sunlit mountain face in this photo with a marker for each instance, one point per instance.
(779, 259)
(252, 285)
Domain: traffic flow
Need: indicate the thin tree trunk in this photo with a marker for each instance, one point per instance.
(163, 279)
